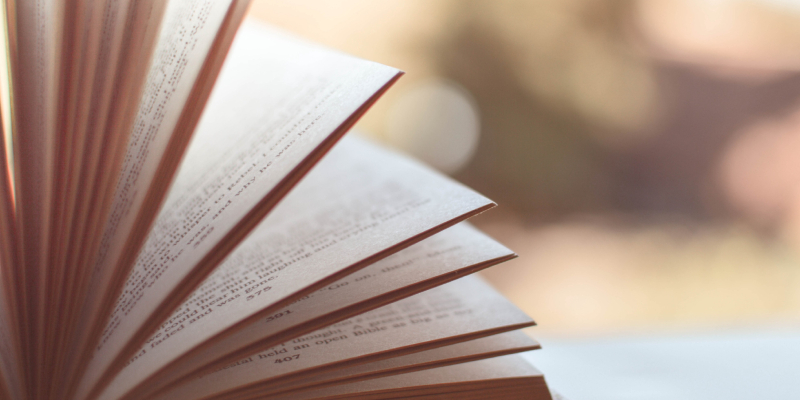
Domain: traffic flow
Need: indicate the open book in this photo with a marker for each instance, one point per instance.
(183, 218)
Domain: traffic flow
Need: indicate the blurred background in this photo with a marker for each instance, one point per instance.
(645, 154)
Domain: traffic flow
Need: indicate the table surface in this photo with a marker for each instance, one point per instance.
(730, 365)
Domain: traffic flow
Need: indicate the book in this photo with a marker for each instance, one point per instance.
(183, 217)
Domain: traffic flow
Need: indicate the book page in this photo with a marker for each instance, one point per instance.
(279, 104)
(506, 377)
(191, 39)
(472, 350)
(360, 202)
(448, 255)
(460, 310)
(84, 64)
(10, 280)
(34, 29)
(5, 93)
(89, 84)
(113, 78)
(11, 365)
(188, 33)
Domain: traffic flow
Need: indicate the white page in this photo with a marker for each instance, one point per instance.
(457, 309)
(445, 256)
(127, 37)
(472, 350)
(10, 362)
(186, 37)
(276, 102)
(35, 60)
(360, 201)
(462, 381)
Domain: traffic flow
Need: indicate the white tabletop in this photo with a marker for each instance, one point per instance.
(734, 365)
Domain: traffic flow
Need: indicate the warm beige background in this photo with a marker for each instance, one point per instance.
(644, 154)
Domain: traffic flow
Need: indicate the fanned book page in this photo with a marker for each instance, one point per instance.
(188, 54)
(506, 377)
(183, 217)
(360, 204)
(458, 311)
(241, 162)
(457, 251)
(472, 350)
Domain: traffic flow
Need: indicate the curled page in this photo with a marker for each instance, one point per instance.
(360, 204)
(446, 256)
(278, 106)
(508, 377)
(458, 311)
(472, 350)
